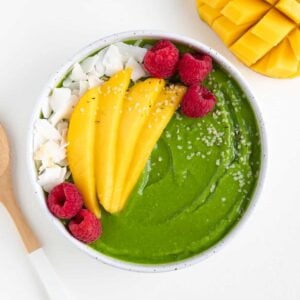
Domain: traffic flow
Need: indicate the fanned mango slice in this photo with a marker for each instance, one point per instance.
(81, 145)
(111, 98)
(254, 29)
(160, 116)
(135, 112)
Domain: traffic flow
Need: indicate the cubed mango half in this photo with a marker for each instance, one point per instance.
(253, 31)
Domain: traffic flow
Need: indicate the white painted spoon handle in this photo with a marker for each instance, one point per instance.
(48, 276)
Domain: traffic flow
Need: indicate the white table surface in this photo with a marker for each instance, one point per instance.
(262, 262)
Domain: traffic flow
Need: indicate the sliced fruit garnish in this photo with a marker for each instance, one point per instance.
(111, 100)
(137, 105)
(81, 145)
(159, 117)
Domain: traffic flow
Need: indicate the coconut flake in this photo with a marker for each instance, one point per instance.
(99, 67)
(44, 131)
(46, 109)
(128, 51)
(62, 128)
(67, 82)
(59, 98)
(50, 153)
(71, 84)
(88, 65)
(93, 80)
(112, 60)
(64, 109)
(51, 177)
(75, 93)
(83, 87)
(77, 73)
(137, 70)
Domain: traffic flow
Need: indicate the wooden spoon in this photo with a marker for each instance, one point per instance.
(52, 284)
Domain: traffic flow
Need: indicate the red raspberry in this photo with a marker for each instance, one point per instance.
(161, 60)
(194, 68)
(85, 227)
(197, 102)
(65, 201)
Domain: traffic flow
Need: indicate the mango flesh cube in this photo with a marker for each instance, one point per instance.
(273, 27)
(297, 73)
(228, 31)
(262, 64)
(136, 108)
(271, 1)
(208, 14)
(159, 117)
(294, 39)
(244, 11)
(282, 61)
(215, 3)
(291, 8)
(81, 145)
(249, 48)
(111, 98)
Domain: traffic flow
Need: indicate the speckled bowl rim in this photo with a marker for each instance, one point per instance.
(144, 34)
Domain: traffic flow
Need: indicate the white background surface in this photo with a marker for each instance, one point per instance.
(261, 262)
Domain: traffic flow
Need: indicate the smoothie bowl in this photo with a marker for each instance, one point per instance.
(147, 150)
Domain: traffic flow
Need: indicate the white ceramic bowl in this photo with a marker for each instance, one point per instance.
(79, 57)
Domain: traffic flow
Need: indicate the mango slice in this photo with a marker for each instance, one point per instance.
(81, 145)
(137, 105)
(160, 116)
(111, 98)
(254, 29)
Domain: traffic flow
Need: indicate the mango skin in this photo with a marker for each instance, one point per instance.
(258, 32)
(81, 145)
(109, 111)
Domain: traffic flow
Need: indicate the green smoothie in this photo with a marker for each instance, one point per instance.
(196, 186)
